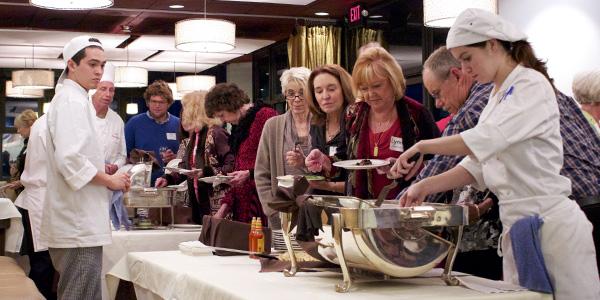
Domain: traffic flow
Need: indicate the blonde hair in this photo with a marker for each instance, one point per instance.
(377, 62)
(193, 112)
(586, 87)
(25, 119)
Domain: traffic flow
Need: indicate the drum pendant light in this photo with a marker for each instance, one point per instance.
(442, 13)
(72, 4)
(204, 35)
(14, 92)
(128, 76)
(190, 83)
(33, 78)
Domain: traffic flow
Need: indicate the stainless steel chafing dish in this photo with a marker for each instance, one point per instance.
(395, 241)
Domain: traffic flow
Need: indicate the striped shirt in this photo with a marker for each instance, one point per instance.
(581, 145)
(466, 118)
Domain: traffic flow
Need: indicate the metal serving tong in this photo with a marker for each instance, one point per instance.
(386, 189)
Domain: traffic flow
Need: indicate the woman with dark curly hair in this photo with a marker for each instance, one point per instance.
(229, 103)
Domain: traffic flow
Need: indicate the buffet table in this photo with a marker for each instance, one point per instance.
(173, 275)
(124, 242)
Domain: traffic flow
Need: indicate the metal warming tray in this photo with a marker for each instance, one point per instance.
(396, 241)
(149, 197)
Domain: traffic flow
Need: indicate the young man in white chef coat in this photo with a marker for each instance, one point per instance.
(75, 221)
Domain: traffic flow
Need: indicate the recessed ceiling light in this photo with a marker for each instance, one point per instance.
(376, 16)
(176, 6)
(322, 13)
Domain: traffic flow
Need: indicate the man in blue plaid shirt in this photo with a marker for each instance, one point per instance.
(465, 99)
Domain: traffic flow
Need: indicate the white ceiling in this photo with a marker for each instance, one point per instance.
(18, 46)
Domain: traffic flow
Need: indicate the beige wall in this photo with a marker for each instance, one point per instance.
(241, 74)
(564, 32)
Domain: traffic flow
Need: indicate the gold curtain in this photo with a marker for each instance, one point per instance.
(359, 37)
(314, 46)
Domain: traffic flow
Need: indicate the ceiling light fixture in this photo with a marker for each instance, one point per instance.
(14, 92)
(322, 13)
(72, 4)
(190, 83)
(131, 77)
(205, 35)
(375, 17)
(442, 13)
(128, 76)
(33, 78)
(176, 6)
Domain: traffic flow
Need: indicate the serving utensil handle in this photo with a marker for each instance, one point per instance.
(386, 189)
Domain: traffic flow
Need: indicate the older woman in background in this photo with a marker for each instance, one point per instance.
(229, 103)
(385, 123)
(23, 123)
(586, 89)
(207, 152)
(330, 93)
(284, 142)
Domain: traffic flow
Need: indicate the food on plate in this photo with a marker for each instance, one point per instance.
(364, 162)
(314, 177)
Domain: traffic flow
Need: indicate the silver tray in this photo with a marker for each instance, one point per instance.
(396, 241)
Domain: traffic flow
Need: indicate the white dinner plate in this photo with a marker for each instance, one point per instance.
(178, 170)
(353, 164)
(212, 179)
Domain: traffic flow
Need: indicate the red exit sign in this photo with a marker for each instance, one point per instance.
(355, 17)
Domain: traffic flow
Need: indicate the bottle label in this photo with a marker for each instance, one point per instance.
(260, 244)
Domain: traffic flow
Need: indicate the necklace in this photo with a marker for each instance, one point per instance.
(327, 133)
(381, 125)
(376, 148)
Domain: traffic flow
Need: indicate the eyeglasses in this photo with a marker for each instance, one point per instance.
(290, 95)
(155, 102)
(436, 93)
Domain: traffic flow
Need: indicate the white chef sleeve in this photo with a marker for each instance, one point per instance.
(474, 168)
(521, 115)
(72, 132)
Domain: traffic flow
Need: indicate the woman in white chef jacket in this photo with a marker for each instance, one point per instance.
(32, 199)
(515, 150)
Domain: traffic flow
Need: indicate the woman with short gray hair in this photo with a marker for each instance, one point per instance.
(586, 89)
(285, 141)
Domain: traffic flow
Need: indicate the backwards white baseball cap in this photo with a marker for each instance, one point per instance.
(72, 47)
(475, 25)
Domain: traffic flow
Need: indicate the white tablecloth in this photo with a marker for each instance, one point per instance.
(173, 275)
(14, 234)
(124, 242)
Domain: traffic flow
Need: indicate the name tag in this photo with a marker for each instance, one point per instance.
(396, 144)
(332, 150)
(171, 136)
